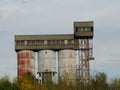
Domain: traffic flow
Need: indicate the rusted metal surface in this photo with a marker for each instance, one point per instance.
(66, 63)
(85, 55)
(46, 61)
(26, 62)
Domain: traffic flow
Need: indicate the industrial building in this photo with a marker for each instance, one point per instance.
(65, 45)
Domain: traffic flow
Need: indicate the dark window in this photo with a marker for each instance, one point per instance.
(57, 41)
(49, 41)
(62, 41)
(28, 42)
(22, 42)
(53, 42)
(37, 42)
(70, 41)
(33, 41)
(17, 42)
(41, 41)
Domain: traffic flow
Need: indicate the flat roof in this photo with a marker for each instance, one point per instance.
(45, 37)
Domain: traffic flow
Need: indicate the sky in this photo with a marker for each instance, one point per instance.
(27, 17)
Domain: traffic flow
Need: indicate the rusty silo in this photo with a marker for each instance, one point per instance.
(26, 62)
(67, 63)
(46, 64)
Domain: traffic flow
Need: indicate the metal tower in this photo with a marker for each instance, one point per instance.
(84, 32)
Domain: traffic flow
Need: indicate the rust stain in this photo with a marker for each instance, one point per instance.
(25, 55)
(21, 72)
(25, 63)
(70, 55)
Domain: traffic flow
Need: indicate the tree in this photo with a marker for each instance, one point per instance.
(26, 82)
(5, 84)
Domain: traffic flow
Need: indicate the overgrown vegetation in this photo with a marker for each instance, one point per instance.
(28, 82)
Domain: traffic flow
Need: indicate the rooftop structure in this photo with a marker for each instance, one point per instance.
(42, 42)
(83, 30)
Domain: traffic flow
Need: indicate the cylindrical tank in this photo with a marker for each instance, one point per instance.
(67, 63)
(26, 62)
(46, 61)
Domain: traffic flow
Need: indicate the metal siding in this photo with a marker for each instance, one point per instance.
(66, 63)
(26, 62)
(46, 61)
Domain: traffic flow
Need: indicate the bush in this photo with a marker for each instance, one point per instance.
(28, 82)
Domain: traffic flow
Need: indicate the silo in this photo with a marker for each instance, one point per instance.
(46, 64)
(67, 63)
(26, 62)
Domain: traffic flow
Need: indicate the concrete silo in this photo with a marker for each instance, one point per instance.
(67, 63)
(26, 62)
(46, 64)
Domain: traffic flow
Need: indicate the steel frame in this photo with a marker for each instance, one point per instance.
(84, 56)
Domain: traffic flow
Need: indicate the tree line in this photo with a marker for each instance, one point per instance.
(28, 82)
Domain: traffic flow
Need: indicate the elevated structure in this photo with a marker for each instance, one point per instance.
(84, 32)
(65, 45)
(42, 42)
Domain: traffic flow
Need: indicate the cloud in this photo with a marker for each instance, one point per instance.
(57, 16)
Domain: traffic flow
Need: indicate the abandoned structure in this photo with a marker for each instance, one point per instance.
(65, 45)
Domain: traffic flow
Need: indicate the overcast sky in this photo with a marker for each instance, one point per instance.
(57, 16)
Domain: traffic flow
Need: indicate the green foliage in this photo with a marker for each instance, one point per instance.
(28, 82)
(115, 84)
(99, 82)
(5, 84)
